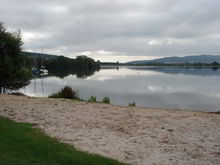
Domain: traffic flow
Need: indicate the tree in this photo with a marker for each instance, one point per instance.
(13, 74)
(215, 63)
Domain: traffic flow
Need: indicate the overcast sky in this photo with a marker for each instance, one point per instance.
(116, 30)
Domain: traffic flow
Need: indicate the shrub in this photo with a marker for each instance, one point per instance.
(66, 92)
(92, 99)
(106, 100)
(132, 104)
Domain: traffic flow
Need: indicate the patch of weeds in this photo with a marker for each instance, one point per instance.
(106, 100)
(92, 99)
(66, 92)
(132, 104)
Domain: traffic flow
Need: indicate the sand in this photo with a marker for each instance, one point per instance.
(139, 136)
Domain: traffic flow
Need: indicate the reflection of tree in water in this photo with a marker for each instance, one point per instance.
(13, 78)
(214, 68)
(80, 73)
(85, 73)
(8, 86)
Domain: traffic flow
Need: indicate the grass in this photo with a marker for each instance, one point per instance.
(20, 144)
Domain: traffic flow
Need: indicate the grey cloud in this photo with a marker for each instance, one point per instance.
(180, 27)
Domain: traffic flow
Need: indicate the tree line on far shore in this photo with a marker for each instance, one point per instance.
(62, 66)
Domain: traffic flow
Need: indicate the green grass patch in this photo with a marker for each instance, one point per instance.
(92, 99)
(20, 144)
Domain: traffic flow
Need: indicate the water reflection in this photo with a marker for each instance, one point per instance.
(80, 73)
(148, 87)
(203, 71)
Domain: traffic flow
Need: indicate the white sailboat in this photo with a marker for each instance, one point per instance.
(43, 70)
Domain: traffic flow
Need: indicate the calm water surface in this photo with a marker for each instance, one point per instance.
(175, 88)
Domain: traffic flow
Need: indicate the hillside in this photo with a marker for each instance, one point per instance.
(45, 56)
(207, 59)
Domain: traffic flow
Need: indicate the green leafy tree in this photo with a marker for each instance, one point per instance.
(13, 74)
(215, 63)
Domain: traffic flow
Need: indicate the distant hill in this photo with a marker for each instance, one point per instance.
(45, 56)
(207, 59)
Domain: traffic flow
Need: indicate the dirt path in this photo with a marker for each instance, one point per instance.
(141, 136)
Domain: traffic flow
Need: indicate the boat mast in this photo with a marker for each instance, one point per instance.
(42, 59)
(35, 59)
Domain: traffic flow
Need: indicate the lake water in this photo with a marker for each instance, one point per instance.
(162, 87)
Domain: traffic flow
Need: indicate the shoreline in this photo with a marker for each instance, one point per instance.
(100, 102)
(132, 135)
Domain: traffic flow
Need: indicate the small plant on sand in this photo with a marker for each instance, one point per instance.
(106, 100)
(132, 104)
(66, 92)
(92, 99)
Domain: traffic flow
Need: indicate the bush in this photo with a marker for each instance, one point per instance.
(106, 100)
(92, 99)
(66, 92)
(132, 104)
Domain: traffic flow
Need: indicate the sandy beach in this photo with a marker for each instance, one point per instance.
(139, 136)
